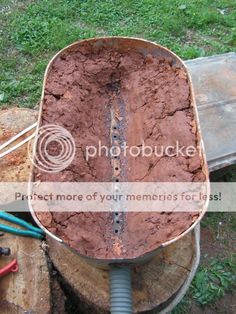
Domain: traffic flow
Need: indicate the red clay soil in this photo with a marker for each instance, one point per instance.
(150, 101)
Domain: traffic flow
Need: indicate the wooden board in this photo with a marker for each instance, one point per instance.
(153, 283)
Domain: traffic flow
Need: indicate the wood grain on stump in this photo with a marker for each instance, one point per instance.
(28, 290)
(16, 165)
(153, 283)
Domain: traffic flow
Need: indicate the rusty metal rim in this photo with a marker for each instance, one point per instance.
(202, 154)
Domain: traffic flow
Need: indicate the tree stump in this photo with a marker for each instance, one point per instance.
(154, 284)
(15, 166)
(28, 290)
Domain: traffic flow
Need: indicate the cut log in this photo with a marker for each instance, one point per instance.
(154, 283)
(28, 290)
(16, 165)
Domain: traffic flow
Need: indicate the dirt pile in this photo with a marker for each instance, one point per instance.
(111, 97)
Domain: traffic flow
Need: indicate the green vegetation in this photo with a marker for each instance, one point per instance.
(212, 220)
(33, 31)
(211, 283)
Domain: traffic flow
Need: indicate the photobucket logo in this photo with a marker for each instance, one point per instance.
(141, 150)
(55, 148)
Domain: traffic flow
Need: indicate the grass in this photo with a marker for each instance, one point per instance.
(211, 283)
(33, 31)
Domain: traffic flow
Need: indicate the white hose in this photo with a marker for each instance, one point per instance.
(14, 138)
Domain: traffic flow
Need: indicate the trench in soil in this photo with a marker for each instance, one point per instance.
(113, 97)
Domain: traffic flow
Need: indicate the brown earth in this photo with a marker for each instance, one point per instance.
(111, 97)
